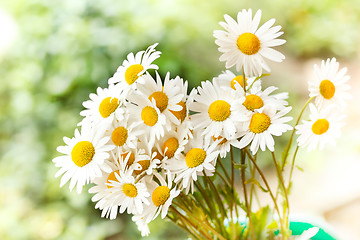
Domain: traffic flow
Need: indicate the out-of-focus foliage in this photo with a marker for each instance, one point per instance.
(62, 50)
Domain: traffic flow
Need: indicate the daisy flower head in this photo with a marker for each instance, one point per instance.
(84, 159)
(162, 196)
(122, 133)
(101, 191)
(197, 160)
(223, 144)
(258, 99)
(323, 128)
(245, 44)
(228, 79)
(262, 126)
(182, 85)
(147, 118)
(141, 224)
(104, 106)
(172, 144)
(217, 110)
(166, 96)
(133, 68)
(127, 193)
(329, 85)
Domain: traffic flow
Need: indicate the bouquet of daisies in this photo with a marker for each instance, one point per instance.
(149, 148)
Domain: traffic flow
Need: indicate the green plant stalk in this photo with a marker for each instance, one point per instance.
(243, 180)
(189, 222)
(233, 228)
(184, 226)
(288, 146)
(268, 188)
(200, 221)
(292, 165)
(224, 169)
(281, 179)
(217, 197)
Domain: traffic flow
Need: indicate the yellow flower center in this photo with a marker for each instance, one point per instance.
(119, 136)
(161, 100)
(112, 177)
(108, 106)
(195, 157)
(132, 73)
(327, 89)
(158, 156)
(320, 126)
(238, 79)
(129, 190)
(253, 102)
(182, 113)
(219, 110)
(145, 164)
(131, 158)
(259, 122)
(149, 116)
(82, 153)
(172, 145)
(248, 43)
(224, 140)
(160, 195)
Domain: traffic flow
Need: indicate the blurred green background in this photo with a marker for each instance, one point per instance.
(54, 53)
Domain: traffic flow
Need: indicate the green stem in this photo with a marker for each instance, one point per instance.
(202, 223)
(281, 179)
(266, 184)
(288, 146)
(224, 169)
(243, 180)
(233, 228)
(185, 227)
(292, 165)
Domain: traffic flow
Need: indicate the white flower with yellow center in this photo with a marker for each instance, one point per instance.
(84, 159)
(147, 117)
(330, 84)
(258, 99)
(129, 158)
(261, 128)
(166, 97)
(224, 144)
(141, 224)
(103, 106)
(218, 110)
(102, 184)
(183, 88)
(197, 159)
(132, 69)
(122, 133)
(172, 144)
(161, 197)
(323, 128)
(245, 45)
(228, 79)
(127, 193)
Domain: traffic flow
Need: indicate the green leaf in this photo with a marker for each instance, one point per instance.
(254, 181)
(300, 168)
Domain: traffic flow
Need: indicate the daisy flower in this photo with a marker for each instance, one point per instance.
(128, 194)
(263, 125)
(245, 45)
(323, 128)
(84, 159)
(122, 133)
(329, 85)
(166, 97)
(141, 224)
(172, 144)
(218, 111)
(101, 191)
(228, 79)
(223, 144)
(161, 197)
(198, 159)
(103, 106)
(183, 88)
(133, 68)
(148, 119)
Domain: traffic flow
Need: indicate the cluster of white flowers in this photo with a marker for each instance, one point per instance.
(139, 145)
(330, 89)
